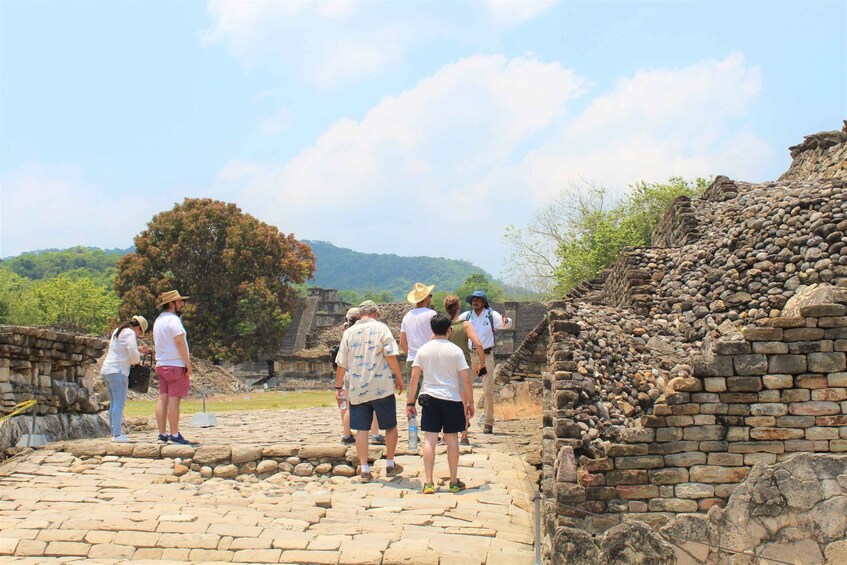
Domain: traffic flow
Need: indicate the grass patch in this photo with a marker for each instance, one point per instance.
(274, 400)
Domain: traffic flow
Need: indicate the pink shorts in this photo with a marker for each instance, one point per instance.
(173, 381)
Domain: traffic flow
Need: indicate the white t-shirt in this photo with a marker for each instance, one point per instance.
(416, 326)
(364, 347)
(123, 352)
(165, 329)
(441, 361)
(482, 325)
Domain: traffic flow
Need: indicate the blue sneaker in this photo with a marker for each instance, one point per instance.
(179, 439)
(163, 438)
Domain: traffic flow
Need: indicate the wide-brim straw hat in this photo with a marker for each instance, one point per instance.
(419, 292)
(141, 321)
(170, 296)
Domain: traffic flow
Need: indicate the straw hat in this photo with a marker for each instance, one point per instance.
(141, 321)
(419, 293)
(170, 296)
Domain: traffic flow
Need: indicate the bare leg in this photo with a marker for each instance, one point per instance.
(430, 439)
(345, 422)
(374, 426)
(173, 414)
(391, 442)
(162, 413)
(452, 441)
(362, 446)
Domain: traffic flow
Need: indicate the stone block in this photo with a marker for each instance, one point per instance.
(795, 421)
(827, 362)
(776, 434)
(319, 451)
(710, 446)
(714, 408)
(786, 364)
(641, 462)
(600, 493)
(680, 421)
(802, 334)
(771, 347)
(739, 397)
(769, 396)
(777, 381)
(714, 384)
(726, 459)
(744, 384)
(803, 347)
(738, 433)
(836, 322)
(757, 447)
(838, 445)
(245, 453)
(627, 477)
(816, 433)
(629, 492)
(637, 435)
(685, 410)
(831, 420)
(762, 334)
(760, 422)
(281, 450)
(822, 310)
(768, 409)
(795, 395)
(672, 447)
(752, 364)
(566, 465)
(731, 347)
(694, 490)
(705, 398)
(712, 474)
(705, 420)
(795, 445)
(626, 450)
(814, 408)
(668, 476)
(837, 380)
(830, 394)
(753, 458)
(672, 505)
(210, 454)
(704, 433)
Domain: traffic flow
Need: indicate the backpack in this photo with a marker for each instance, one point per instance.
(467, 318)
(333, 353)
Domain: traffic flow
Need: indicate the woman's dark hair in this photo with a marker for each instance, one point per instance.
(452, 305)
(123, 326)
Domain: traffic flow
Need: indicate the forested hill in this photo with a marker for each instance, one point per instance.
(90, 262)
(361, 272)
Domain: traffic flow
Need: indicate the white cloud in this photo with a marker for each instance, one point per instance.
(333, 43)
(442, 168)
(517, 11)
(277, 123)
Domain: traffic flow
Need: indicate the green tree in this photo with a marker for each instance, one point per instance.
(240, 273)
(19, 305)
(479, 281)
(76, 302)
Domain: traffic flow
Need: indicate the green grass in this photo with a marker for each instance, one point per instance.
(273, 400)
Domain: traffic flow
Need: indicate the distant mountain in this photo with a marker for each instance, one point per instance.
(91, 262)
(346, 269)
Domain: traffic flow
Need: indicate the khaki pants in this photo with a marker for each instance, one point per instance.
(487, 399)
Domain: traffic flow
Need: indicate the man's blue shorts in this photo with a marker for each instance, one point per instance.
(361, 415)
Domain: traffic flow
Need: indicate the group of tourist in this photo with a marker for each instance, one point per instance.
(173, 367)
(441, 350)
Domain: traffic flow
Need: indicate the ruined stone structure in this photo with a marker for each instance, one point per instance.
(688, 363)
(56, 370)
(303, 359)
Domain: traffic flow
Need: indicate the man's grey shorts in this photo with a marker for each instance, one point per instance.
(361, 415)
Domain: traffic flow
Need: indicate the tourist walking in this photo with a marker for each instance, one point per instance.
(463, 335)
(122, 354)
(415, 329)
(369, 352)
(173, 365)
(485, 321)
(446, 398)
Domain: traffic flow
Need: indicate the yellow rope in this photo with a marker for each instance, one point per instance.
(22, 407)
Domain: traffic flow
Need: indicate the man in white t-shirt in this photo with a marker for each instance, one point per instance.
(441, 365)
(415, 329)
(485, 321)
(173, 365)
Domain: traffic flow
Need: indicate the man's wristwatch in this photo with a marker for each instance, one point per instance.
(412, 404)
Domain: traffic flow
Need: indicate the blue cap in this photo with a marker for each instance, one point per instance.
(477, 294)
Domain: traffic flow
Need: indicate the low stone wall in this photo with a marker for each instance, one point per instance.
(790, 512)
(757, 397)
(678, 226)
(821, 156)
(196, 464)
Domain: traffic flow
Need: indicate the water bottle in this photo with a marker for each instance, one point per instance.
(343, 405)
(413, 434)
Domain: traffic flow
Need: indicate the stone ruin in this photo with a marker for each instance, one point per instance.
(57, 370)
(715, 356)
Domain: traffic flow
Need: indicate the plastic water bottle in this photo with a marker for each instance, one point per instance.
(413, 433)
(343, 405)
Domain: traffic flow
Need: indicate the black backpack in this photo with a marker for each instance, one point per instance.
(333, 353)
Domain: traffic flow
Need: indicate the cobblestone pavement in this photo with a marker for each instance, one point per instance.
(55, 508)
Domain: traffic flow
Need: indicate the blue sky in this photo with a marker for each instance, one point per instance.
(410, 128)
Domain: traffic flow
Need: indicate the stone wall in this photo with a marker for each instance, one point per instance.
(820, 156)
(54, 368)
(789, 512)
(757, 397)
(678, 226)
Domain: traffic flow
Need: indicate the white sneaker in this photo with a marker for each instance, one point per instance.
(121, 439)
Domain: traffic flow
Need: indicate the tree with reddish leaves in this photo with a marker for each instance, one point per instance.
(237, 270)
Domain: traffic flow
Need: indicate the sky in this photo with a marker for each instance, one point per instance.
(413, 128)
